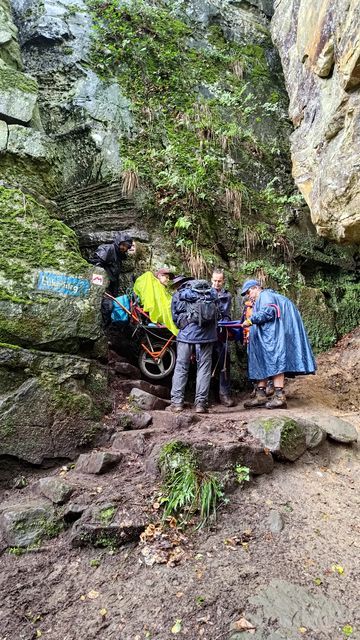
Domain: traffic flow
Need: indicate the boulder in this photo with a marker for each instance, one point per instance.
(220, 456)
(50, 404)
(55, 489)
(146, 401)
(126, 526)
(314, 434)
(126, 370)
(4, 133)
(18, 95)
(336, 428)
(97, 462)
(283, 436)
(24, 524)
(133, 421)
(130, 442)
(156, 389)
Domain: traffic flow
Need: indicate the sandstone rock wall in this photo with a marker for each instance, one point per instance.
(319, 45)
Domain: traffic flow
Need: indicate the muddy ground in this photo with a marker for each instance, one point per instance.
(284, 554)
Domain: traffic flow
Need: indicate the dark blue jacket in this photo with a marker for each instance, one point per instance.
(278, 340)
(224, 298)
(190, 332)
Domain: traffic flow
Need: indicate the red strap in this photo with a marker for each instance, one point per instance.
(276, 306)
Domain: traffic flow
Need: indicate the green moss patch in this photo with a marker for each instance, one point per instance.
(30, 239)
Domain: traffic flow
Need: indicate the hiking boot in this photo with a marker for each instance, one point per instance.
(259, 400)
(227, 401)
(200, 408)
(270, 389)
(176, 408)
(278, 401)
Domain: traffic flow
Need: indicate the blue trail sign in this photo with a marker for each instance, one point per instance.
(65, 285)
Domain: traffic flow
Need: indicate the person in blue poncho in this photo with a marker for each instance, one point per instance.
(278, 344)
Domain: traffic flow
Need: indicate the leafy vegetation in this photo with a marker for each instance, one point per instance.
(187, 490)
(197, 110)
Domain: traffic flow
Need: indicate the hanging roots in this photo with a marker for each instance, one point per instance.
(130, 180)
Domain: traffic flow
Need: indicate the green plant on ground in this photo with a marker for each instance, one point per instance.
(187, 490)
(106, 515)
(242, 473)
(95, 562)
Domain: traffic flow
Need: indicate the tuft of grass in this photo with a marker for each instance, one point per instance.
(186, 490)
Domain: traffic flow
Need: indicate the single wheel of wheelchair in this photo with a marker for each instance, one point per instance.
(159, 368)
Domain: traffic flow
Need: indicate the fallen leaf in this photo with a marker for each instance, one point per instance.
(347, 630)
(92, 595)
(103, 612)
(177, 627)
(179, 594)
(302, 629)
(317, 581)
(243, 625)
(38, 633)
(337, 568)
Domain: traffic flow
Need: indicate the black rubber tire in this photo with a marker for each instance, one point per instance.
(157, 370)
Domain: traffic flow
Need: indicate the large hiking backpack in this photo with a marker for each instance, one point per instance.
(203, 310)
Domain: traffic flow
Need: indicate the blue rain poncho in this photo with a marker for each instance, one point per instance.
(278, 339)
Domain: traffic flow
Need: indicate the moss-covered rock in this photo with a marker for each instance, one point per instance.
(18, 94)
(319, 320)
(50, 404)
(284, 437)
(58, 311)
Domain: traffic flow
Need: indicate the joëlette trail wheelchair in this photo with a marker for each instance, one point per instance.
(157, 355)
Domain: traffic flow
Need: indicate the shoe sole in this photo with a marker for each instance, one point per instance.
(283, 406)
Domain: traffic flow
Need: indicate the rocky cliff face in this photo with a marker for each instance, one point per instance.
(168, 120)
(319, 45)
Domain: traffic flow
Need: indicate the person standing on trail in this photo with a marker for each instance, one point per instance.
(221, 352)
(110, 257)
(194, 308)
(278, 344)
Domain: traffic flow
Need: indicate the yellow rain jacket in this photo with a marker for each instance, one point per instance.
(155, 300)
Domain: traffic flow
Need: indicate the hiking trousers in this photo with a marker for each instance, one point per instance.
(203, 372)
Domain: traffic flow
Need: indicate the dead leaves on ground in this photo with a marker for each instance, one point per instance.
(243, 625)
(239, 540)
(162, 544)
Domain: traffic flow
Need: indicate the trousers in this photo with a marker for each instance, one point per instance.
(203, 372)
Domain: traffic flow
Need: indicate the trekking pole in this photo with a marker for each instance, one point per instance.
(224, 370)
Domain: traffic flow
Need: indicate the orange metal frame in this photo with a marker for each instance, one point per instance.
(154, 354)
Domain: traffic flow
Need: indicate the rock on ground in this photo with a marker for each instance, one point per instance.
(24, 524)
(97, 462)
(283, 436)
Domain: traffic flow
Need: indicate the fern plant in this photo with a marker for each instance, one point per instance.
(186, 490)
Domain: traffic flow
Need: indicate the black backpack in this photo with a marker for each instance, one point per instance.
(204, 309)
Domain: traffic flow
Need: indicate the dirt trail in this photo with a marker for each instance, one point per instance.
(284, 553)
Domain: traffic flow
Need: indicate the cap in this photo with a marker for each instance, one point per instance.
(248, 284)
(181, 279)
(164, 272)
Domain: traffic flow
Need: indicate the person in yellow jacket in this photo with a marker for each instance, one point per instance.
(155, 297)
